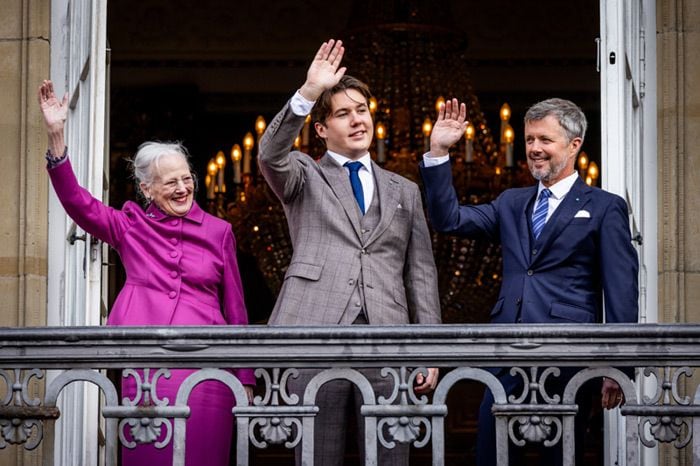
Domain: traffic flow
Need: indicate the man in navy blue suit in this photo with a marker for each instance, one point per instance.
(566, 246)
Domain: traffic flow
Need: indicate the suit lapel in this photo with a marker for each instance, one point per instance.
(339, 182)
(575, 200)
(387, 188)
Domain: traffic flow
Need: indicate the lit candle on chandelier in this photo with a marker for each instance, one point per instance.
(582, 163)
(439, 103)
(469, 135)
(248, 143)
(508, 138)
(505, 116)
(427, 128)
(209, 179)
(236, 159)
(381, 144)
(372, 106)
(220, 164)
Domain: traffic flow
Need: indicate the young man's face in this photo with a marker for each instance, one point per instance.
(348, 130)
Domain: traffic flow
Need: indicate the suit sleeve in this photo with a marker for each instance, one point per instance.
(103, 222)
(232, 296)
(447, 216)
(619, 265)
(420, 273)
(283, 171)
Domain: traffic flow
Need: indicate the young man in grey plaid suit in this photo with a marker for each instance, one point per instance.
(362, 250)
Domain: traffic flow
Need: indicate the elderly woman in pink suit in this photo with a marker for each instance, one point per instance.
(181, 269)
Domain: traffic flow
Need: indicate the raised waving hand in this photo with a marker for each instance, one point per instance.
(325, 70)
(55, 112)
(449, 127)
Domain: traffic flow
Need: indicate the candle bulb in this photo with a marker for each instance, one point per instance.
(209, 180)
(260, 126)
(582, 163)
(236, 159)
(248, 143)
(372, 106)
(505, 116)
(297, 143)
(508, 137)
(381, 148)
(427, 129)
(469, 135)
(593, 173)
(220, 163)
(439, 103)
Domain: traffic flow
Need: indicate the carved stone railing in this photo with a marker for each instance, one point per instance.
(666, 354)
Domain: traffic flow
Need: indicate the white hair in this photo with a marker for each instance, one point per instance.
(148, 156)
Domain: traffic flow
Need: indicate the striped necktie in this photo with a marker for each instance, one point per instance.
(539, 216)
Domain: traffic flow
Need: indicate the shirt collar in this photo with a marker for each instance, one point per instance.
(365, 160)
(196, 214)
(561, 188)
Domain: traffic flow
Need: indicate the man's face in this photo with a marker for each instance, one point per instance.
(348, 130)
(550, 155)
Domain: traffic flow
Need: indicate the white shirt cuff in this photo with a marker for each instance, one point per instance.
(299, 105)
(435, 161)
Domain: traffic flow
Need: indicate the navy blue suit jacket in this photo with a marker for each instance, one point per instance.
(583, 253)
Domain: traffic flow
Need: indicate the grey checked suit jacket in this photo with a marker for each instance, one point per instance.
(396, 260)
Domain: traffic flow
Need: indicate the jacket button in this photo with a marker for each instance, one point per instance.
(172, 295)
(351, 282)
(173, 274)
(519, 300)
(530, 272)
(175, 222)
(358, 304)
(173, 253)
(534, 251)
(173, 240)
(519, 321)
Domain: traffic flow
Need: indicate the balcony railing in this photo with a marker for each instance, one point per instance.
(665, 354)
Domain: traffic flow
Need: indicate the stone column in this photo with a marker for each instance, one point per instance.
(678, 67)
(24, 62)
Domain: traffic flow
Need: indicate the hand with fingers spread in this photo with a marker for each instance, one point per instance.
(449, 127)
(325, 70)
(55, 112)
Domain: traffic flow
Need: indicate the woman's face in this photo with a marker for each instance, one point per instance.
(172, 189)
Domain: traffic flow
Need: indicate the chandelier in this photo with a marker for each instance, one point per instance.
(412, 62)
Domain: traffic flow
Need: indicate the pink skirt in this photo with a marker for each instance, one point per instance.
(208, 429)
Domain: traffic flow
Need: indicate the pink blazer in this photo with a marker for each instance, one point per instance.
(180, 270)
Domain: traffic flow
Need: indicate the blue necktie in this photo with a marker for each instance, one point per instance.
(539, 216)
(354, 167)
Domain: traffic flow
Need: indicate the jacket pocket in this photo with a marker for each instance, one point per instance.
(572, 312)
(400, 296)
(303, 270)
(498, 307)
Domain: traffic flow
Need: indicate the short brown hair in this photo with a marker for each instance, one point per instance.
(323, 108)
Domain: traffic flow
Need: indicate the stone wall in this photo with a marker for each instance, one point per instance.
(24, 62)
